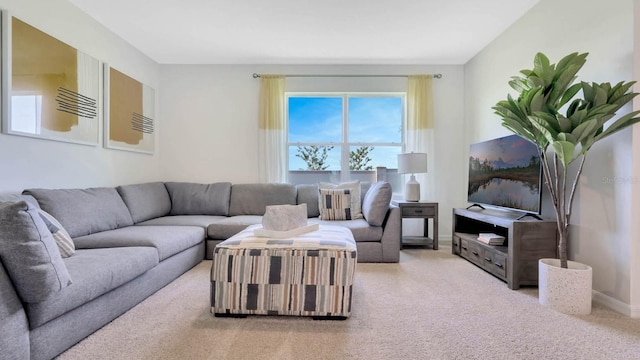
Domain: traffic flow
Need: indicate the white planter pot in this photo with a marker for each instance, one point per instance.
(565, 290)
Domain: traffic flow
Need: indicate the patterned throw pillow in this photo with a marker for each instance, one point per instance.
(354, 186)
(335, 204)
(63, 240)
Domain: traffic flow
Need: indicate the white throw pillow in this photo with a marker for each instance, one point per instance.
(354, 186)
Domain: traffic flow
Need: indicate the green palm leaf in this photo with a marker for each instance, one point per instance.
(535, 115)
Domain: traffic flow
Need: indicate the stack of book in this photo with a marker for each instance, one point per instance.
(491, 238)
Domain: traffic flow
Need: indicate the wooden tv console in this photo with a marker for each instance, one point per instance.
(516, 261)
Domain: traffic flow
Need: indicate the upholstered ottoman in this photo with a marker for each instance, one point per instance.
(305, 275)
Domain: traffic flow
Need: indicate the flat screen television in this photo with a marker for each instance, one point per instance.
(506, 173)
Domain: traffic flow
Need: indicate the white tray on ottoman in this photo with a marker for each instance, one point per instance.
(305, 275)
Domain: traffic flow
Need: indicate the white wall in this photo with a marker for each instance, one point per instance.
(601, 225)
(635, 199)
(28, 162)
(210, 127)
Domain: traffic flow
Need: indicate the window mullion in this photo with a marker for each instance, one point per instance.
(344, 164)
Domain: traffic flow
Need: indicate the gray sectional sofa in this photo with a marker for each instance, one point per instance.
(131, 241)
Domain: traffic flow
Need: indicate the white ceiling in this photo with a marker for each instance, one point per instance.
(307, 31)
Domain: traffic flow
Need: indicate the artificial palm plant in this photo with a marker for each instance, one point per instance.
(535, 115)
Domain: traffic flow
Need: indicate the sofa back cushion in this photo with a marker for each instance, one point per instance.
(199, 199)
(376, 203)
(29, 253)
(146, 201)
(84, 211)
(308, 194)
(252, 199)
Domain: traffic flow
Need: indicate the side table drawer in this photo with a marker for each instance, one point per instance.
(418, 211)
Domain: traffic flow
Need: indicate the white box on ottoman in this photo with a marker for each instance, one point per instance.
(306, 275)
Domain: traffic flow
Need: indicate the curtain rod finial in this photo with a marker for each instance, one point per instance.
(256, 75)
(437, 76)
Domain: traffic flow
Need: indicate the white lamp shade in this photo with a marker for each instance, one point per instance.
(412, 163)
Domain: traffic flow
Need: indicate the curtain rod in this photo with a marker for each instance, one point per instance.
(256, 75)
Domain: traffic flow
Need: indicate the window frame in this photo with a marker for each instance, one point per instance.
(344, 144)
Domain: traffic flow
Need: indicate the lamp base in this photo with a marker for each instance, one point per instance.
(412, 190)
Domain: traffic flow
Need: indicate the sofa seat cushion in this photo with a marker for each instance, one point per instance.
(84, 211)
(202, 221)
(230, 226)
(168, 240)
(362, 231)
(94, 272)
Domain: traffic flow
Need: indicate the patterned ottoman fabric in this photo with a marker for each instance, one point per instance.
(306, 275)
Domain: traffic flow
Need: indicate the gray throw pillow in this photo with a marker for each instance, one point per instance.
(29, 253)
(199, 199)
(376, 203)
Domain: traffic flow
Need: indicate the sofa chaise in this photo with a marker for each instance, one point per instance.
(131, 241)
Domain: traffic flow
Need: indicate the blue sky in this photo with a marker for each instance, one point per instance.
(371, 119)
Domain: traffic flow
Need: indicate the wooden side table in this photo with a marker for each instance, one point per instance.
(419, 210)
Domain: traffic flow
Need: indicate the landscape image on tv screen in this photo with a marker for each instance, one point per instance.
(505, 172)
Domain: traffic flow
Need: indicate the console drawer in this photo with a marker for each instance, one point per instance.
(455, 244)
(475, 253)
(495, 262)
(499, 264)
(464, 248)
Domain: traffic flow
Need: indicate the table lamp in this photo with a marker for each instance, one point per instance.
(412, 163)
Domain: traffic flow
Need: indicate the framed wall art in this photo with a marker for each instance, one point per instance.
(129, 107)
(50, 90)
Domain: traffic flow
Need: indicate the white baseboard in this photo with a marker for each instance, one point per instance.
(616, 305)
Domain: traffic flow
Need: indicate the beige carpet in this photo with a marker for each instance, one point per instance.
(431, 305)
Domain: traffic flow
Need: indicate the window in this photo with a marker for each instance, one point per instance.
(26, 113)
(341, 137)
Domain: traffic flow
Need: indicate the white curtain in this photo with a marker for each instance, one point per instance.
(420, 122)
(272, 146)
